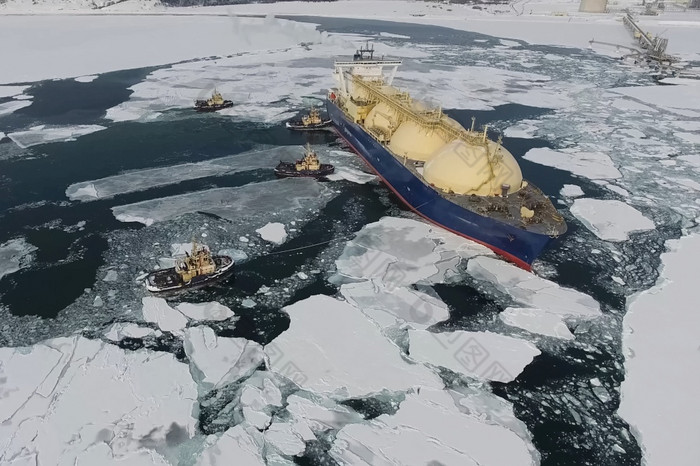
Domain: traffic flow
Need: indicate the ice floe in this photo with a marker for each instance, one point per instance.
(684, 95)
(659, 394)
(536, 321)
(571, 190)
(11, 91)
(483, 355)
(284, 438)
(12, 106)
(273, 232)
(610, 220)
(314, 414)
(45, 135)
(237, 442)
(121, 330)
(156, 310)
(64, 398)
(218, 361)
(86, 79)
(205, 311)
(532, 291)
(314, 355)
(524, 129)
(15, 254)
(593, 165)
(140, 180)
(428, 428)
(393, 307)
(249, 201)
(399, 252)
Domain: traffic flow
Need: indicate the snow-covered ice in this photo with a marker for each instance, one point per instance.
(287, 195)
(610, 220)
(536, 321)
(156, 310)
(15, 254)
(532, 291)
(273, 232)
(11, 91)
(593, 165)
(64, 398)
(237, 442)
(571, 190)
(205, 311)
(429, 429)
(356, 362)
(662, 362)
(283, 437)
(218, 361)
(483, 355)
(43, 135)
(391, 307)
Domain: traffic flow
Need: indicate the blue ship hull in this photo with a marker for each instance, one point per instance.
(515, 244)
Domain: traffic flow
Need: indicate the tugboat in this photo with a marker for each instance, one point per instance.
(309, 122)
(309, 167)
(216, 102)
(194, 270)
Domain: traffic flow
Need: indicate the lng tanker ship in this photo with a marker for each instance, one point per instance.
(456, 178)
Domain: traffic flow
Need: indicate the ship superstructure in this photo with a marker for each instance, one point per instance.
(457, 178)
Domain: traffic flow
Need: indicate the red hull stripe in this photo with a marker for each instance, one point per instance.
(517, 261)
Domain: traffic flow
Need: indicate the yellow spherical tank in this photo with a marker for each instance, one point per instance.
(383, 118)
(464, 168)
(416, 143)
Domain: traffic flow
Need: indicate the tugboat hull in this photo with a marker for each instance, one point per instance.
(299, 126)
(213, 108)
(288, 170)
(169, 281)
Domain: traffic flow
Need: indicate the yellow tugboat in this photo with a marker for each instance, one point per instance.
(195, 270)
(216, 102)
(309, 122)
(309, 167)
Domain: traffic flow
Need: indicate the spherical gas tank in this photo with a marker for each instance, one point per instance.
(415, 142)
(382, 117)
(464, 168)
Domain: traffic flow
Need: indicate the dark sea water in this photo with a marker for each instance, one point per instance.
(54, 296)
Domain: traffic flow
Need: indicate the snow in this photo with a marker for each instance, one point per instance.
(237, 442)
(429, 429)
(121, 330)
(136, 398)
(287, 195)
(483, 355)
(571, 190)
(43, 135)
(218, 361)
(659, 394)
(692, 138)
(593, 165)
(610, 220)
(86, 79)
(392, 307)
(529, 290)
(536, 321)
(273, 232)
(313, 413)
(205, 311)
(356, 362)
(156, 310)
(15, 254)
(12, 106)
